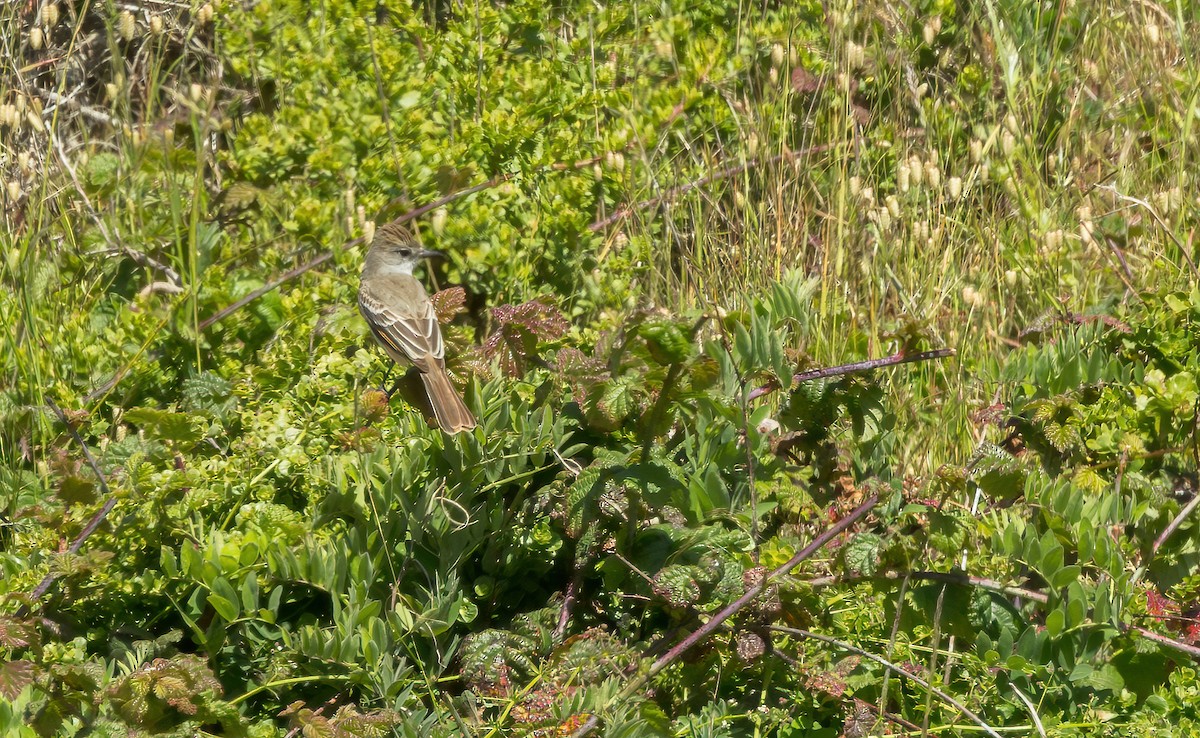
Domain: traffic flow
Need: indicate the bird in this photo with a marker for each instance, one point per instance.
(403, 320)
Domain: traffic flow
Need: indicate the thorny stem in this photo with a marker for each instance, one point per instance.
(900, 357)
(98, 518)
(729, 611)
(884, 662)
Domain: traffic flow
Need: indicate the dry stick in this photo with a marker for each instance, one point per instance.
(113, 242)
(884, 662)
(318, 261)
(900, 357)
(410, 215)
(269, 286)
(1190, 650)
(98, 518)
(1178, 521)
(1007, 589)
(499, 179)
(1183, 250)
(730, 610)
(720, 174)
(875, 710)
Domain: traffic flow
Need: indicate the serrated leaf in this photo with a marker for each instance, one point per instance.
(861, 555)
(167, 425)
(667, 342)
(14, 677)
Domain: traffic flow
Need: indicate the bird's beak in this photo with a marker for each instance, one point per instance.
(431, 254)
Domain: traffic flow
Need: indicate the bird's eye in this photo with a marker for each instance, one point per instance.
(406, 252)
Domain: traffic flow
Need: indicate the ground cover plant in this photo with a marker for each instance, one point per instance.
(665, 222)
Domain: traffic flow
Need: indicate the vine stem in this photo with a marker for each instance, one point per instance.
(900, 357)
(884, 662)
(109, 503)
(730, 610)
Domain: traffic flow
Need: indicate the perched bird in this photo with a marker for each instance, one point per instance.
(403, 320)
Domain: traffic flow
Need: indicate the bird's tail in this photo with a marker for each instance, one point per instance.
(452, 415)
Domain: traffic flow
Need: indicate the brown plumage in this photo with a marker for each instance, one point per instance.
(401, 316)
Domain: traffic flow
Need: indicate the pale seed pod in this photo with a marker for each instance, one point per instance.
(14, 190)
(1010, 122)
(126, 25)
(156, 24)
(1087, 232)
(50, 15)
(954, 187)
(916, 170)
(369, 231)
(933, 175)
(618, 161)
(35, 121)
(893, 206)
(1008, 143)
(903, 177)
(752, 144)
(195, 91)
(36, 38)
(111, 90)
(933, 27)
(855, 185)
(884, 218)
(868, 195)
(773, 76)
(855, 55)
(597, 173)
(1152, 33)
(976, 149)
(438, 221)
(778, 55)
(23, 161)
(1010, 278)
(204, 15)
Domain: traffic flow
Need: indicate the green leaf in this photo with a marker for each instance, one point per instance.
(1107, 677)
(861, 555)
(1064, 576)
(166, 425)
(224, 607)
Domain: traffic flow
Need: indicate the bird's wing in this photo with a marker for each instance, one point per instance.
(412, 334)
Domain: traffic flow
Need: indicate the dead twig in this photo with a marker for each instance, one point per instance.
(268, 287)
(858, 367)
(719, 174)
(109, 502)
(114, 243)
(801, 633)
(730, 610)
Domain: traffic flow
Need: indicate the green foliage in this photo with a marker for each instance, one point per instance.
(659, 215)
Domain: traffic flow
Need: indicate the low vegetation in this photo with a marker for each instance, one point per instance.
(668, 225)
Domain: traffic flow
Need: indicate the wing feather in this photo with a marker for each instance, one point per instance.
(411, 335)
